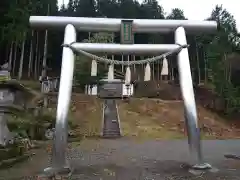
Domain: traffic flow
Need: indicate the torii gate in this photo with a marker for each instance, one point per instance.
(73, 24)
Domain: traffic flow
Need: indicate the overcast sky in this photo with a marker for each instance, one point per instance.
(198, 10)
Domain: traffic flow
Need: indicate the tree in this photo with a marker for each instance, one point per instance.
(219, 47)
(107, 8)
(150, 9)
(85, 8)
(17, 40)
(128, 9)
(176, 14)
(83, 64)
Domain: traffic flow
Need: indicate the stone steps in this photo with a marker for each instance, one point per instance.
(111, 127)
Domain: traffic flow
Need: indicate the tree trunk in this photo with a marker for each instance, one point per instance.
(36, 58)
(198, 65)
(230, 72)
(134, 65)
(225, 67)
(8, 50)
(122, 62)
(44, 63)
(39, 62)
(22, 57)
(153, 71)
(10, 57)
(15, 57)
(30, 56)
(172, 69)
(224, 63)
(205, 66)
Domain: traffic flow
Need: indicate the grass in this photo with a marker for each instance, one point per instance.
(145, 127)
(86, 114)
(140, 119)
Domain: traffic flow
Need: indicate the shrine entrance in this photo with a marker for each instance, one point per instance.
(127, 29)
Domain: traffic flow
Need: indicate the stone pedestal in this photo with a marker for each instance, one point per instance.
(12, 100)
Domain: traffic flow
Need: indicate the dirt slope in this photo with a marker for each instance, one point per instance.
(86, 113)
(164, 119)
(147, 118)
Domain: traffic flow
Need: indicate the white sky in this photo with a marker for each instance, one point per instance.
(197, 10)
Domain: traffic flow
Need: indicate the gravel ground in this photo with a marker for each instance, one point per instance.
(125, 159)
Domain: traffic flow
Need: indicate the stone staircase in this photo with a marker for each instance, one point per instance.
(111, 126)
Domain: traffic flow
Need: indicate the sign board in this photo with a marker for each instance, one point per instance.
(110, 90)
(127, 32)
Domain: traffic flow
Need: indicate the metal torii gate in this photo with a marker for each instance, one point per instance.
(72, 24)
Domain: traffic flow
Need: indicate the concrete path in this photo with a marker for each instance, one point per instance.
(125, 159)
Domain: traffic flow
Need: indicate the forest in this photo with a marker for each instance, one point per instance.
(29, 52)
